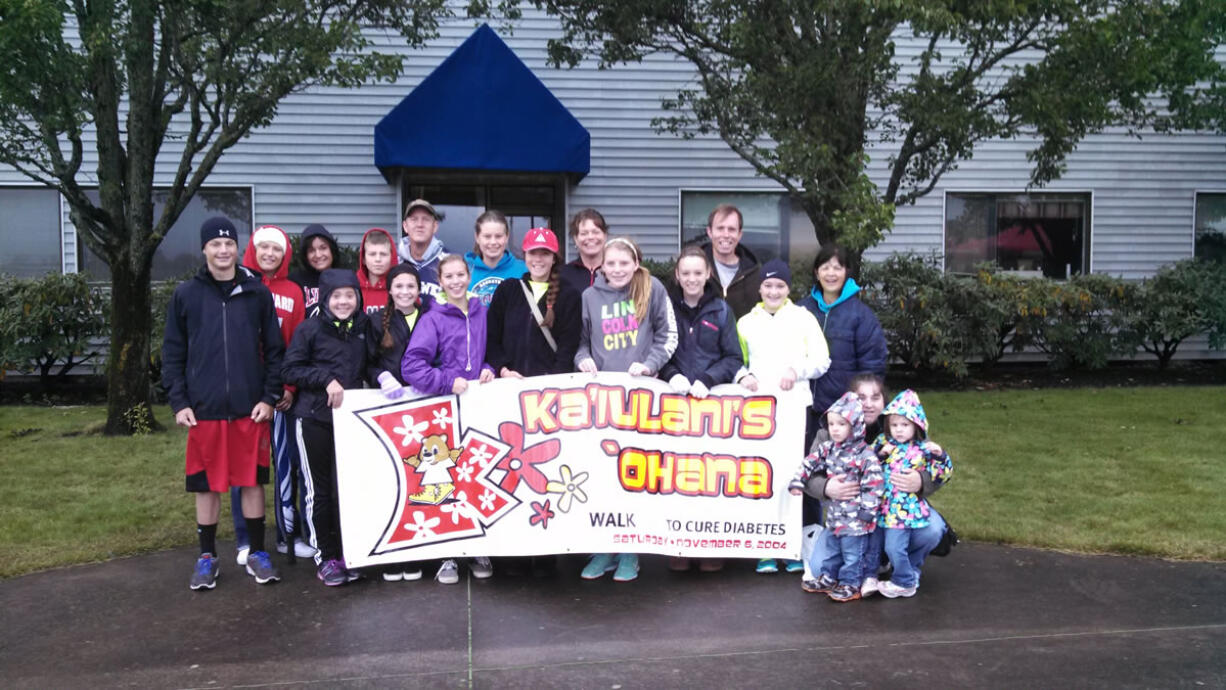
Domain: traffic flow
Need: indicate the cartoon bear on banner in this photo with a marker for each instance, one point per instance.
(444, 489)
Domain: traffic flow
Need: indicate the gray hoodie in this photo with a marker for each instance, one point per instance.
(613, 337)
(427, 268)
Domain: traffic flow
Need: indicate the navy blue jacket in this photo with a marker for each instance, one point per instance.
(221, 354)
(324, 349)
(514, 340)
(857, 344)
(707, 346)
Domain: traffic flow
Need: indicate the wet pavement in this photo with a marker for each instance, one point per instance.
(985, 616)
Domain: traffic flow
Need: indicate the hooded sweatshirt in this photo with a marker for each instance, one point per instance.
(374, 294)
(485, 280)
(308, 277)
(742, 291)
(287, 296)
(611, 335)
(789, 338)
(427, 268)
(902, 509)
(401, 326)
(852, 459)
(326, 348)
(447, 344)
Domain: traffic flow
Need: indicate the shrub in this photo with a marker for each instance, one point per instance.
(1082, 323)
(913, 299)
(50, 321)
(1171, 308)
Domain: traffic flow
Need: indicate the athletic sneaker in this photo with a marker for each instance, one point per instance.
(481, 567)
(793, 566)
(822, 585)
(869, 587)
(205, 574)
(301, 549)
(448, 573)
(844, 593)
(767, 565)
(891, 591)
(241, 557)
(332, 573)
(259, 566)
(627, 567)
(398, 575)
(597, 566)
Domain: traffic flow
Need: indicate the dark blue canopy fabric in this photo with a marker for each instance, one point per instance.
(482, 109)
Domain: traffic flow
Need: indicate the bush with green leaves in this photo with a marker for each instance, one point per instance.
(916, 303)
(1084, 322)
(1182, 300)
(51, 325)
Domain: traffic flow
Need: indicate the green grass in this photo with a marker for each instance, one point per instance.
(1124, 470)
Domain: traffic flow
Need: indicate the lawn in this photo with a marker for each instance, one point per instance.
(1124, 470)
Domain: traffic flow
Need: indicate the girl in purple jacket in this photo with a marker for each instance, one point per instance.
(446, 352)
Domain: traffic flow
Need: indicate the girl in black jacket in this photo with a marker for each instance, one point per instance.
(329, 353)
(708, 351)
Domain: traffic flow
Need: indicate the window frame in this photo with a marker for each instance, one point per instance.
(785, 232)
(1195, 202)
(1088, 250)
(250, 187)
(59, 219)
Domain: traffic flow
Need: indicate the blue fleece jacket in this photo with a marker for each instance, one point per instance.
(485, 280)
(857, 343)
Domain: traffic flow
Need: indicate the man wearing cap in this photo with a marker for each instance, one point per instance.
(221, 368)
(734, 268)
(419, 247)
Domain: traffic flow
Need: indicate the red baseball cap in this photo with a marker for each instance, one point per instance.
(540, 238)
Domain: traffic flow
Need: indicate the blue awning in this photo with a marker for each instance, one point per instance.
(482, 109)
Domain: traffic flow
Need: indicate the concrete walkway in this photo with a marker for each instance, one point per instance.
(985, 616)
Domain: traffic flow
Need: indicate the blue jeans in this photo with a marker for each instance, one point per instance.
(839, 557)
(921, 542)
(898, 549)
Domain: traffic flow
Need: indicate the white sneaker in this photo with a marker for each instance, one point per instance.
(891, 591)
(393, 576)
(405, 575)
(481, 567)
(869, 587)
(448, 573)
(301, 549)
(241, 558)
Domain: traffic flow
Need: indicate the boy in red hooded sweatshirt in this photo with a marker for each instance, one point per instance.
(376, 256)
(268, 255)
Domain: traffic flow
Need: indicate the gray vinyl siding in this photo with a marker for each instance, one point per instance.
(315, 162)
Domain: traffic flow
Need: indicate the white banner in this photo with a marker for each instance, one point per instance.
(569, 463)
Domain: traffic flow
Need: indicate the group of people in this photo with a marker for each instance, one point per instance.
(256, 358)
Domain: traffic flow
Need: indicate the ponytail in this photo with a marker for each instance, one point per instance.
(640, 292)
(551, 293)
(388, 342)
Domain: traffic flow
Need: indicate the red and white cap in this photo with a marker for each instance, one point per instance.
(541, 238)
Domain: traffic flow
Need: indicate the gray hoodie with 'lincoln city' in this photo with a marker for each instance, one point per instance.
(614, 338)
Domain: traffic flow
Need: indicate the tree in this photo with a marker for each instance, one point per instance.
(129, 77)
(804, 89)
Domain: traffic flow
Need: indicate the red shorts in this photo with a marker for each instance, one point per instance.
(221, 454)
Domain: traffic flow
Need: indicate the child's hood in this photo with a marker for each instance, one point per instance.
(250, 261)
(363, 278)
(331, 279)
(907, 404)
(848, 407)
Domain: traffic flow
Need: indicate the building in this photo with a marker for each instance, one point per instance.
(1125, 207)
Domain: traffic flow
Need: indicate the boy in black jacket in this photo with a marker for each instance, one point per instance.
(328, 354)
(221, 367)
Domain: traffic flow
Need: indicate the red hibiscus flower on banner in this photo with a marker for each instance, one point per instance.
(521, 463)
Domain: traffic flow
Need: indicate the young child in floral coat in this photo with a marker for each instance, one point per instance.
(848, 523)
(905, 445)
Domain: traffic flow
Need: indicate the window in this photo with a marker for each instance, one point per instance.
(1037, 234)
(179, 253)
(1211, 226)
(29, 231)
(528, 202)
(768, 219)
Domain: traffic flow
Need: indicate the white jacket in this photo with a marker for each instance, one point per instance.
(791, 337)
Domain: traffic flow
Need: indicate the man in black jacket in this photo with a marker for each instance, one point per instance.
(221, 367)
(734, 269)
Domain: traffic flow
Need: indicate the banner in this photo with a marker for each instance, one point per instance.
(569, 463)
